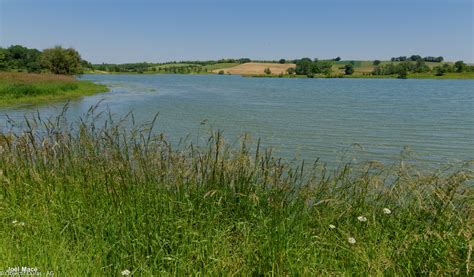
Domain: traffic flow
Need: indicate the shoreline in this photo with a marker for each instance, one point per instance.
(447, 76)
(26, 88)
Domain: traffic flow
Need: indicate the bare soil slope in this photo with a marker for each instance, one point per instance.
(256, 68)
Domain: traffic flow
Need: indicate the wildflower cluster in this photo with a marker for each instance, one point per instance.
(18, 223)
(360, 218)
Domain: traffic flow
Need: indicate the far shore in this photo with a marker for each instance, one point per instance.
(462, 75)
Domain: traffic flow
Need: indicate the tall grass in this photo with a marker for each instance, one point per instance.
(81, 199)
(20, 88)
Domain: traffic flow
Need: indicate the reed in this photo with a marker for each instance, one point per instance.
(111, 199)
(29, 88)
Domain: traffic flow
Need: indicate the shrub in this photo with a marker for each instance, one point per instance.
(62, 61)
(349, 69)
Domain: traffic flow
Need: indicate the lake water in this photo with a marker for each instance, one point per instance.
(369, 119)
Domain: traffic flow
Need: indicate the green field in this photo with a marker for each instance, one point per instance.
(209, 68)
(175, 65)
(220, 66)
(24, 88)
(99, 200)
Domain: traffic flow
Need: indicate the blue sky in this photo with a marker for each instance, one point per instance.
(157, 31)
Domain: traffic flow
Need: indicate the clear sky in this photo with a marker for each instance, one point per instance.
(157, 31)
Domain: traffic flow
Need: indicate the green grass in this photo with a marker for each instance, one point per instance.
(94, 201)
(429, 75)
(176, 65)
(220, 66)
(462, 75)
(359, 75)
(23, 88)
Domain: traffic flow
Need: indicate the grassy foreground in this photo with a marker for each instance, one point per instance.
(100, 200)
(30, 88)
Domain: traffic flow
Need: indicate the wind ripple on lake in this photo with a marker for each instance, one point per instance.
(308, 118)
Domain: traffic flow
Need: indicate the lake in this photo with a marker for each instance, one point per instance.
(432, 121)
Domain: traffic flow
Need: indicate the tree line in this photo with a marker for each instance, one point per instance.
(306, 66)
(57, 60)
(408, 66)
(402, 67)
(415, 58)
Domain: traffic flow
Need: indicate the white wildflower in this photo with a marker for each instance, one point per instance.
(351, 240)
(18, 223)
(387, 211)
(362, 218)
(125, 272)
(332, 226)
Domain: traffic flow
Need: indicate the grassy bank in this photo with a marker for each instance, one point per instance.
(26, 88)
(100, 200)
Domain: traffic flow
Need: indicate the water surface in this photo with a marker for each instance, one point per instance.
(371, 119)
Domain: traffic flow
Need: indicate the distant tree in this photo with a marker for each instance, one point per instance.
(282, 61)
(439, 71)
(420, 67)
(3, 59)
(433, 59)
(62, 61)
(376, 62)
(337, 59)
(267, 71)
(349, 69)
(399, 59)
(378, 70)
(304, 66)
(402, 72)
(459, 66)
(415, 58)
(291, 70)
(244, 60)
(325, 67)
(448, 68)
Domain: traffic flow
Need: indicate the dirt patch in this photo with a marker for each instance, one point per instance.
(256, 68)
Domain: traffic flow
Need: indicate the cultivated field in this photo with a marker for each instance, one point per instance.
(256, 68)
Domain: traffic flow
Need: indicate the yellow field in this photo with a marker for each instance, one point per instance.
(256, 68)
